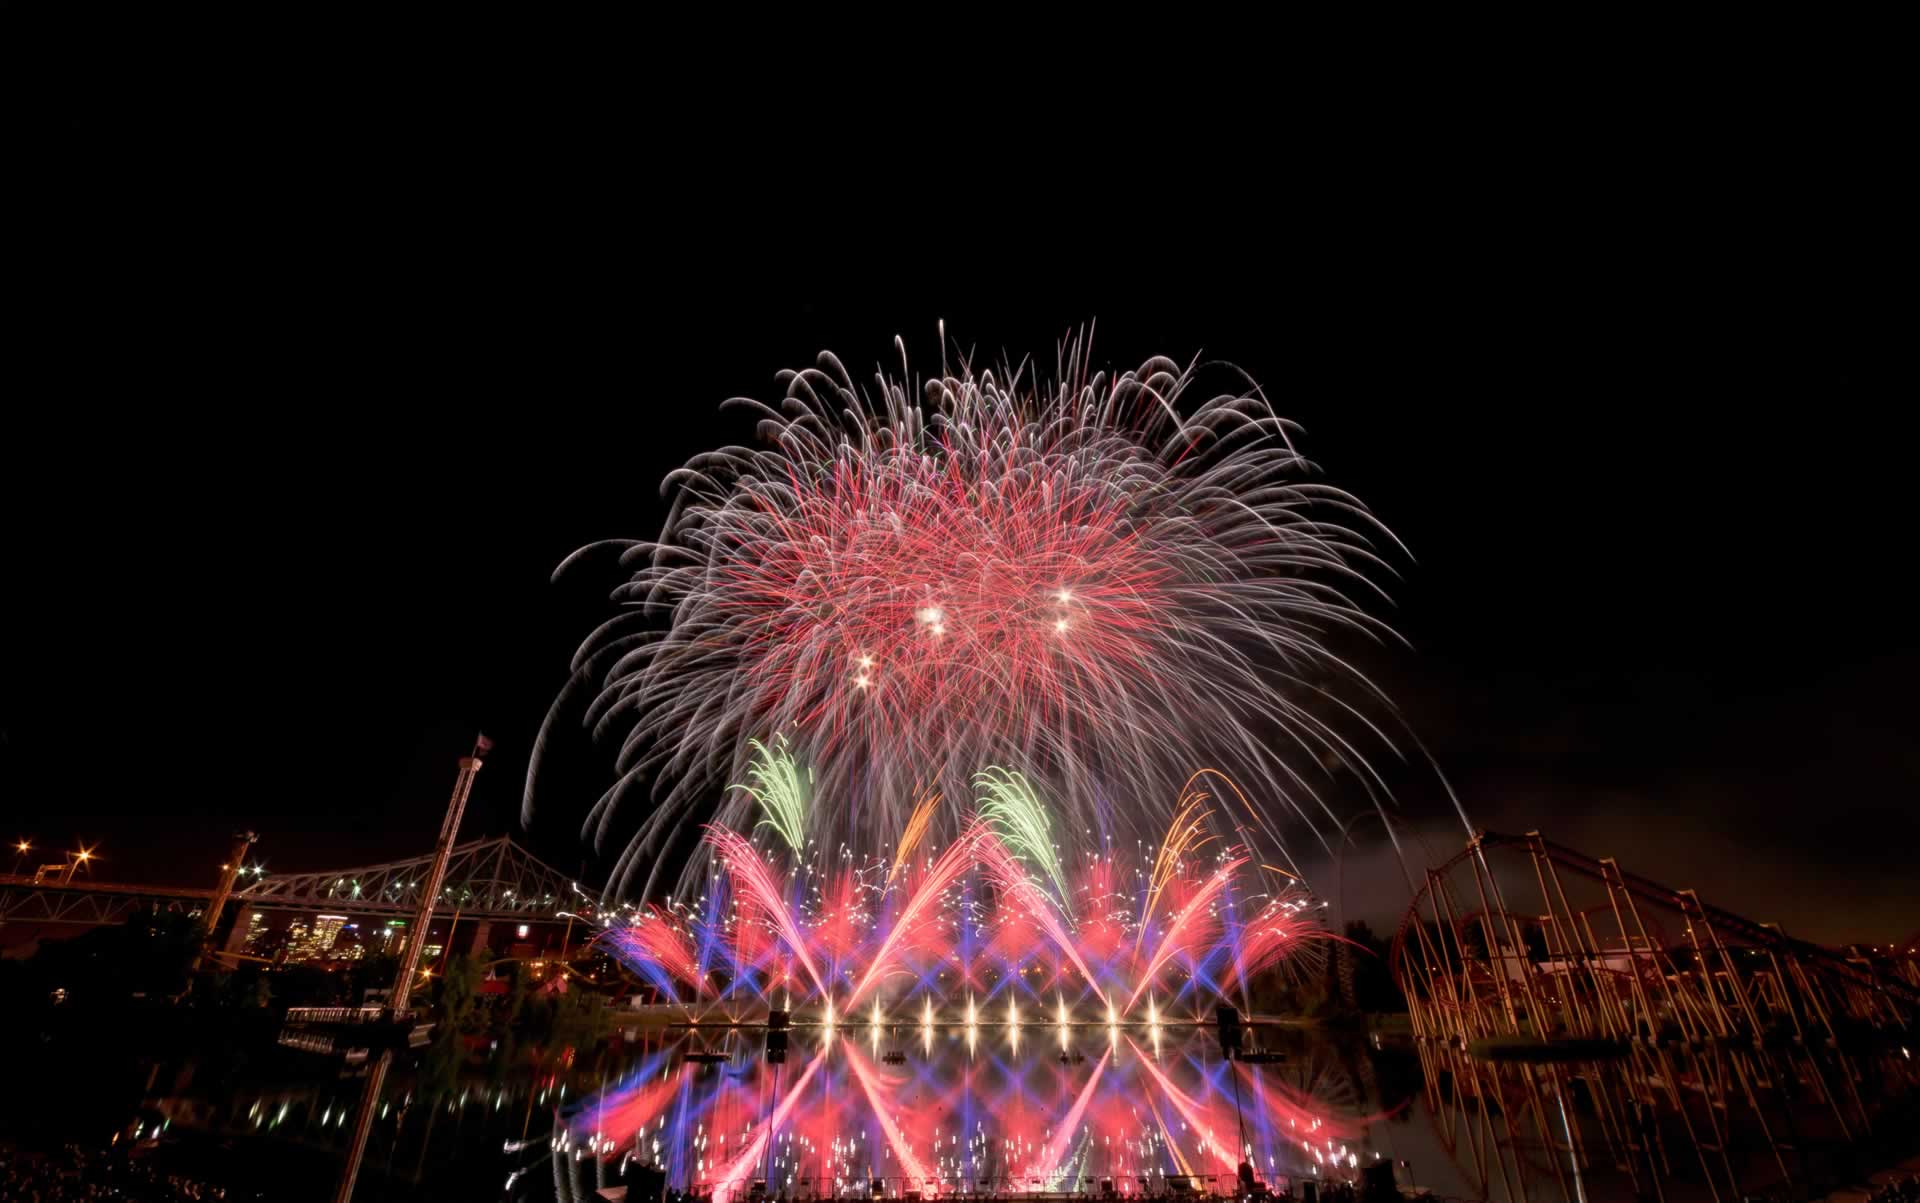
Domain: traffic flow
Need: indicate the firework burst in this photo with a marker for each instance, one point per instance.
(1093, 582)
(974, 919)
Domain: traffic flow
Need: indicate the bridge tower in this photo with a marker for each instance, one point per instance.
(236, 859)
(410, 959)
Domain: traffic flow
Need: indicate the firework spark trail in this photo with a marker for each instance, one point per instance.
(1302, 1112)
(1197, 911)
(1185, 836)
(1009, 802)
(761, 894)
(1253, 813)
(742, 1167)
(1092, 581)
(916, 830)
(902, 1148)
(954, 862)
(1181, 1107)
(655, 942)
(1197, 1117)
(1048, 1165)
(613, 1115)
(776, 784)
(1020, 889)
(1160, 1121)
(844, 931)
(1276, 934)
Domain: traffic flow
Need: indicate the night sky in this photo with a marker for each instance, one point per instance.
(284, 502)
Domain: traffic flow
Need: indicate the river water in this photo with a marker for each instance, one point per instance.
(1027, 1107)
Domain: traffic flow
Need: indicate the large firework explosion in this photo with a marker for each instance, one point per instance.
(980, 927)
(1093, 960)
(937, 596)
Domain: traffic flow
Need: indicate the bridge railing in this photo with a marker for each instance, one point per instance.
(339, 1015)
(351, 1029)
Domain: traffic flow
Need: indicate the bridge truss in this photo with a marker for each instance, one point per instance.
(1572, 1017)
(486, 879)
(91, 903)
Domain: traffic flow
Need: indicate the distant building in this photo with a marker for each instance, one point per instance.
(312, 942)
(326, 931)
(392, 938)
(350, 944)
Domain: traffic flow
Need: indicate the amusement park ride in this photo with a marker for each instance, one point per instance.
(1569, 1013)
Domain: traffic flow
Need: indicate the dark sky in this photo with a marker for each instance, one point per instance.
(308, 431)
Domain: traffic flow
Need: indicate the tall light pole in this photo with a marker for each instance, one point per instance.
(409, 960)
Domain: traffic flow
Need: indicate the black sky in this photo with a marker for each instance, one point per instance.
(307, 429)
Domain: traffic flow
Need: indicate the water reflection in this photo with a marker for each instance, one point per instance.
(940, 1109)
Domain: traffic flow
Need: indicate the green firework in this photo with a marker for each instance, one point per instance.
(1008, 802)
(777, 782)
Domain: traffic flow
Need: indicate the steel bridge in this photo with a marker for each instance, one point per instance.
(92, 903)
(487, 879)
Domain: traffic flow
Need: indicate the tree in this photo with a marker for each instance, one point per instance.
(457, 1015)
(580, 1019)
(1373, 985)
(246, 988)
(376, 972)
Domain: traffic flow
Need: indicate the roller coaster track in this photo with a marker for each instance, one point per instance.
(1735, 1041)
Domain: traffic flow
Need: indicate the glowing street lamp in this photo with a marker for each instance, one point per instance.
(78, 859)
